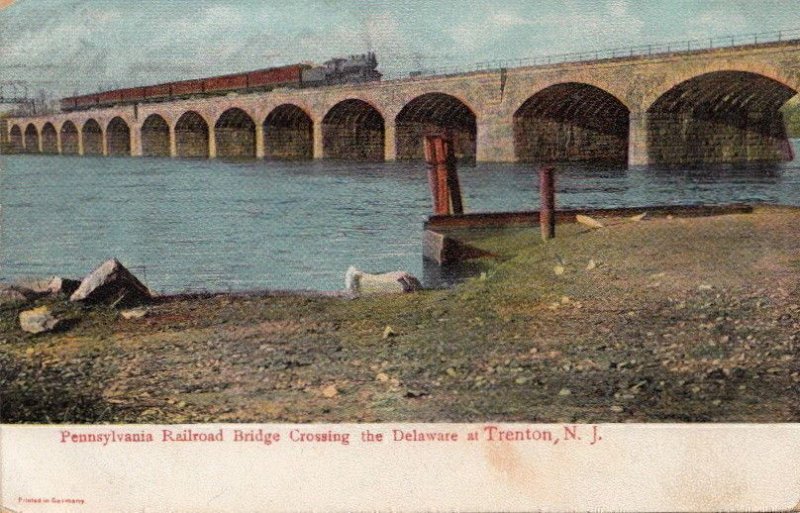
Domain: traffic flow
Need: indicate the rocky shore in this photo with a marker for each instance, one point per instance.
(643, 320)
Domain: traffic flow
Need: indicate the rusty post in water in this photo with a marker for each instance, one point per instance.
(443, 176)
(433, 182)
(432, 145)
(453, 184)
(440, 150)
(547, 215)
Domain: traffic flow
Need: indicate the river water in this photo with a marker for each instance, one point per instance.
(198, 225)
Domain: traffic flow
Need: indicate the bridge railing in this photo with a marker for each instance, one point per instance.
(691, 45)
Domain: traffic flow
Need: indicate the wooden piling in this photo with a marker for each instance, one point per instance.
(453, 184)
(547, 216)
(443, 176)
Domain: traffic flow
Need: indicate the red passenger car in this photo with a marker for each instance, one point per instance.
(293, 75)
(86, 101)
(133, 94)
(188, 87)
(276, 77)
(109, 97)
(158, 91)
(226, 83)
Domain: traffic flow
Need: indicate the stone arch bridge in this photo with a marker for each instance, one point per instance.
(703, 106)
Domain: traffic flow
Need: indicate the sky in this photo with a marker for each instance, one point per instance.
(69, 46)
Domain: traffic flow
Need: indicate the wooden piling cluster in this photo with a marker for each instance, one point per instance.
(446, 189)
(443, 176)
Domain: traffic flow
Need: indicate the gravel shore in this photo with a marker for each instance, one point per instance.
(661, 320)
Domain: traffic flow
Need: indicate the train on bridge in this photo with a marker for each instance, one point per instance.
(353, 69)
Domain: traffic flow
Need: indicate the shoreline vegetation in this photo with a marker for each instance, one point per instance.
(791, 115)
(652, 320)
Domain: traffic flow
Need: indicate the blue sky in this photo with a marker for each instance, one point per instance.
(83, 45)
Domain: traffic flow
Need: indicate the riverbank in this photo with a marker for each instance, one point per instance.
(658, 320)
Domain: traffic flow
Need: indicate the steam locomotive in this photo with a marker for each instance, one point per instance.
(353, 69)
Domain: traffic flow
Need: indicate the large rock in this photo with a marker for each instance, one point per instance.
(359, 282)
(38, 320)
(52, 285)
(111, 283)
(14, 294)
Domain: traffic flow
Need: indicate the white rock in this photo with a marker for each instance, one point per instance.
(136, 313)
(38, 285)
(59, 285)
(38, 320)
(359, 282)
(51, 285)
(588, 221)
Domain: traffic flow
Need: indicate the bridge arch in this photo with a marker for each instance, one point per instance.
(69, 138)
(765, 67)
(155, 137)
(16, 140)
(235, 134)
(288, 133)
(49, 139)
(31, 139)
(354, 130)
(191, 136)
(434, 114)
(92, 134)
(118, 138)
(719, 117)
(572, 121)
